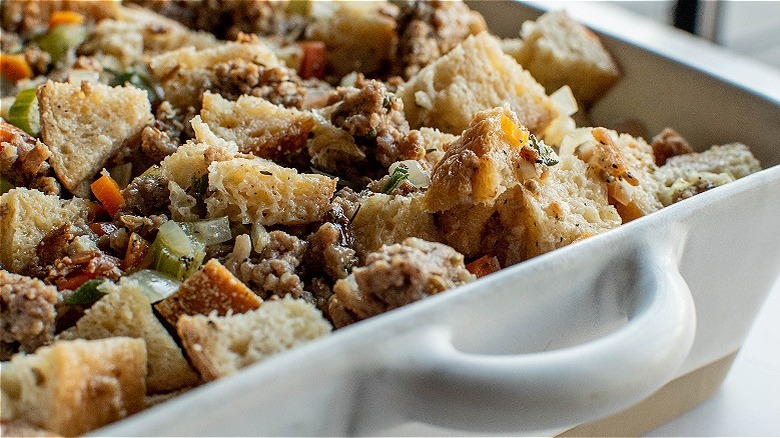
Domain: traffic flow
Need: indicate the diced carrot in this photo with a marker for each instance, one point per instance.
(107, 191)
(483, 266)
(75, 281)
(65, 17)
(15, 67)
(135, 256)
(313, 60)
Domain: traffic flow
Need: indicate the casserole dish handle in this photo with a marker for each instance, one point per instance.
(557, 389)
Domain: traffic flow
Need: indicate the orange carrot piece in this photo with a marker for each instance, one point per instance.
(15, 67)
(107, 191)
(313, 60)
(65, 17)
(483, 266)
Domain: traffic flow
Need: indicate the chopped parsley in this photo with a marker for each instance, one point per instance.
(546, 153)
(400, 174)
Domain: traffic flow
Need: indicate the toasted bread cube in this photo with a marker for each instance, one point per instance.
(257, 126)
(626, 165)
(125, 311)
(212, 289)
(72, 387)
(85, 124)
(26, 216)
(186, 73)
(358, 36)
(219, 346)
(559, 51)
(384, 220)
(260, 191)
(474, 76)
(493, 197)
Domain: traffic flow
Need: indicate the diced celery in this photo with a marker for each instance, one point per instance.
(59, 39)
(155, 285)
(175, 253)
(24, 112)
(87, 293)
(209, 231)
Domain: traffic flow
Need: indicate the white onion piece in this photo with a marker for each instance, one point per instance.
(564, 101)
(417, 175)
(527, 170)
(573, 139)
(260, 237)
(77, 76)
(622, 191)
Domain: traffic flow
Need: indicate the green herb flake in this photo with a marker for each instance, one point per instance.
(86, 294)
(546, 153)
(400, 174)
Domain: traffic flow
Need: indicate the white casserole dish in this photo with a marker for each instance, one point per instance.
(568, 337)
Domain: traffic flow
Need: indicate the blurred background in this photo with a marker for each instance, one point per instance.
(751, 28)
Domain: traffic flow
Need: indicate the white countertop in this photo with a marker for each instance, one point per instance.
(748, 401)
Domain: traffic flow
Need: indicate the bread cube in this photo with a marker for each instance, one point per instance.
(221, 345)
(72, 387)
(186, 73)
(126, 311)
(85, 124)
(257, 126)
(474, 76)
(385, 219)
(26, 216)
(358, 36)
(260, 191)
(558, 51)
(212, 289)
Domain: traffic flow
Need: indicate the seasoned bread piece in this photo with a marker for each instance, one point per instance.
(212, 288)
(260, 191)
(394, 276)
(625, 164)
(686, 175)
(558, 51)
(219, 346)
(138, 33)
(72, 387)
(186, 73)
(125, 311)
(498, 191)
(358, 36)
(257, 126)
(26, 216)
(85, 124)
(386, 219)
(474, 76)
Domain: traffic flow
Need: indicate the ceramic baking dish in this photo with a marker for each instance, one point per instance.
(570, 337)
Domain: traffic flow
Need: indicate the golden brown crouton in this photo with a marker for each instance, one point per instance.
(358, 36)
(186, 73)
(212, 288)
(125, 311)
(260, 191)
(85, 124)
(219, 346)
(558, 51)
(387, 219)
(257, 126)
(515, 198)
(26, 216)
(474, 76)
(72, 387)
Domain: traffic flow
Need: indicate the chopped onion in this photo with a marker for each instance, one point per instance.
(621, 191)
(564, 101)
(77, 76)
(573, 139)
(528, 170)
(417, 175)
(209, 231)
(259, 237)
(155, 285)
